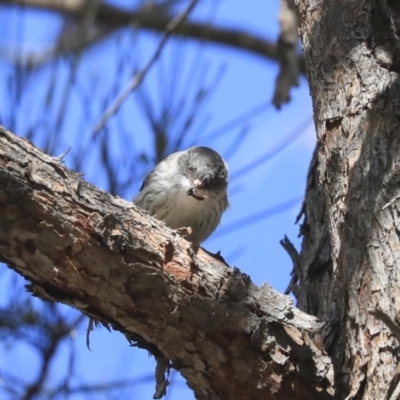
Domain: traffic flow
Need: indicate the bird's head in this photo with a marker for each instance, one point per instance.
(205, 170)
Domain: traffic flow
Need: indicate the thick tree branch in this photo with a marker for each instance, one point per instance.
(83, 247)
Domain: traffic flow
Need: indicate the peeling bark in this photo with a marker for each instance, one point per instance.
(352, 60)
(101, 255)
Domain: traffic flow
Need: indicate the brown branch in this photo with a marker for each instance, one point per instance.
(151, 19)
(85, 248)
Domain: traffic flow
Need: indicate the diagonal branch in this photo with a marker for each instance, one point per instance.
(100, 254)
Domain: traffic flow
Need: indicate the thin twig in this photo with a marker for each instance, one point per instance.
(296, 260)
(139, 76)
(274, 151)
(392, 201)
(61, 157)
(258, 216)
(88, 331)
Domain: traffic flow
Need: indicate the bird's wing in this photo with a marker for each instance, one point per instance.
(161, 169)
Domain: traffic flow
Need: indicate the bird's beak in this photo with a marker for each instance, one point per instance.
(196, 191)
(197, 183)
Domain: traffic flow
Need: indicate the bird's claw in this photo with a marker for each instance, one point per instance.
(185, 231)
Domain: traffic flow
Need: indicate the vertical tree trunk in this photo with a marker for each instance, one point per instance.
(352, 57)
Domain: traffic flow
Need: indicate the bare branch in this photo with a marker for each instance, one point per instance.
(114, 18)
(138, 78)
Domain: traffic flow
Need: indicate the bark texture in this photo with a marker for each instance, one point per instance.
(353, 66)
(101, 255)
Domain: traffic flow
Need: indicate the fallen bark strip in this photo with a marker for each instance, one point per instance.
(101, 255)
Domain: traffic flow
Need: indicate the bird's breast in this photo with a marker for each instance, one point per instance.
(181, 210)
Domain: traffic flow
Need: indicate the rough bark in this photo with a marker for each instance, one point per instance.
(103, 256)
(353, 66)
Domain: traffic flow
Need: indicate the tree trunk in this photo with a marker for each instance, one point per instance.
(352, 59)
(109, 259)
(230, 339)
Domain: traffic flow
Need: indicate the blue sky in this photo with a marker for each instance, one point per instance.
(246, 82)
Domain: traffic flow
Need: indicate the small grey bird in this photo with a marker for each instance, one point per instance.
(187, 189)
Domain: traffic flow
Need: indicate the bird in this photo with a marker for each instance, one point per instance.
(188, 189)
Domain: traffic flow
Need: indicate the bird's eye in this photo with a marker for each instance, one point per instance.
(190, 168)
